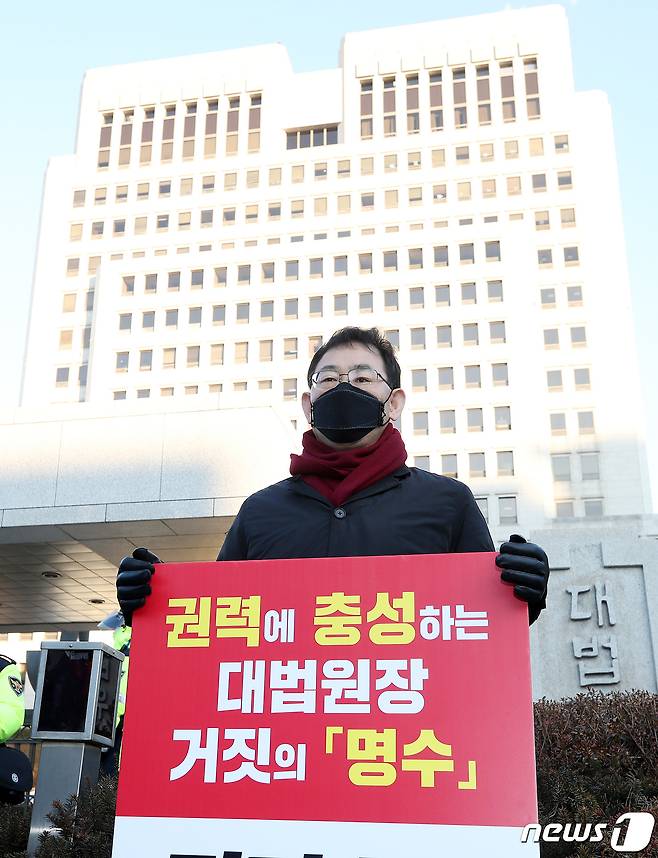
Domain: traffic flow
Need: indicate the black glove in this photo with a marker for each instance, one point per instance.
(133, 581)
(525, 565)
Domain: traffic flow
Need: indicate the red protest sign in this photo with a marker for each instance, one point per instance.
(329, 704)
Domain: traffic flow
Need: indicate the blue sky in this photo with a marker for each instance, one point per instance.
(46, 47)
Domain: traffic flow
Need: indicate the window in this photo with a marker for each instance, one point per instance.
(171, 318)
(586, 422)
(495, 290)
(315, 305)
(444, 336)
(561, 466)
(545, 256)
(564, 181)
(567, 218)
(242, 313)
(441, 256)
(340, 265)
(554, 379)
(417, 338)
(79, 198)
(507, 510)
(447, 423)
(417, 298)
(292, 269)
(265, 350)
(470, 332)
(391, 299)
(593, 507)
(463, 190)
(148, 320)
(472, 375)
(542, 220)
(146, 360)
(244, 275)
(539, 182)
(476, 465)
(564, 509)
(474, 420)
(289, 388)
(365, 302)
(97, 228)
(340, 305)
(558, 423)
(420, 423)
(291, 308)
(589, 466)
(488, 188)
(219, 314)
(561, 142)
(127, 287)
(419, 380)
(511, 149)
(571, 256)
(241, 352)
(290, 348)
(466, 254)
(415, 257)
(551, 338)
(446, 378)
(497, 332)
(503, 417)
(365, 263)
(265, 384)
(439, 193)
(449, 465)
(62, 375)
(122, 359)
(196, 278)
(536, 146)
(314, 344)
(438, 157)
(581, 377)
(513, 185)
(578, 336)
(442, 296)
(316, 267)
(505, 461)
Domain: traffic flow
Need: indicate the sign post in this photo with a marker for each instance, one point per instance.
(366, 707)
(74, 716)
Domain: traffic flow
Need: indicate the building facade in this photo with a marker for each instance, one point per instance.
(222, 215)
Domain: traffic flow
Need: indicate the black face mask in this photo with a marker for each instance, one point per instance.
(346, 414)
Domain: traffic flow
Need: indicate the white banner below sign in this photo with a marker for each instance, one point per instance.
(248, 838)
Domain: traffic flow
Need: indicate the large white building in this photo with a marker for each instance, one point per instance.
(223, 215)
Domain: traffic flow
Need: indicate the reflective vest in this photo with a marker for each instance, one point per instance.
(121, 641)
(12, 703)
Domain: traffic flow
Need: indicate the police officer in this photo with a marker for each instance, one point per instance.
(121, 634)
(15, 767)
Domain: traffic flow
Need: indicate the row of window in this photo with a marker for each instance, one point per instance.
(577, 337)
(570, 508)
(163, 135)
(318, 171)
(581, 379)
(461, 86)
(480, 464)
(472, 420)
(584, 422)
(575, 466)
(506, 505)
(393, 198)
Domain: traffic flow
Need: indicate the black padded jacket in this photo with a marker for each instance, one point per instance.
(409, 512)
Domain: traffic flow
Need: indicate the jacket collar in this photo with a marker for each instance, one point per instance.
(297, 485)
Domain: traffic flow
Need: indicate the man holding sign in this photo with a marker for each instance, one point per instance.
(350, 493)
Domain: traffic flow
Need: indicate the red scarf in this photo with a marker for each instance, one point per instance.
(339, 474)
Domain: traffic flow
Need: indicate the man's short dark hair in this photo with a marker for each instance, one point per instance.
(369, 337)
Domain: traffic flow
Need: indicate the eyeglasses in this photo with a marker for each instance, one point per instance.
(363, 377)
